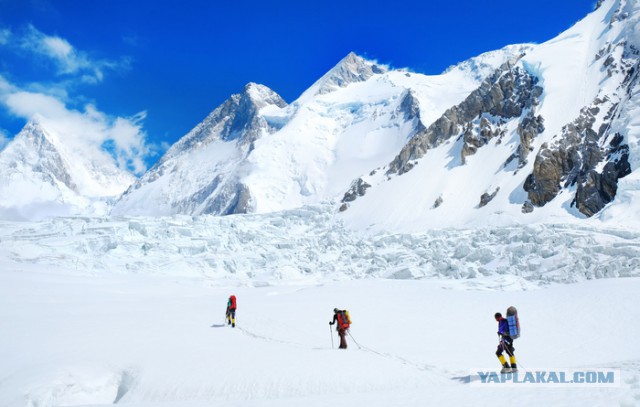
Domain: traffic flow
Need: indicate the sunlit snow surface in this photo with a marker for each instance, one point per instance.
(311, 243)
(96, 311)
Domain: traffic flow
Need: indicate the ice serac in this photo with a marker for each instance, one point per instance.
(202, 173)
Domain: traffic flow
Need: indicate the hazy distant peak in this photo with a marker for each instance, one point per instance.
(34, 134)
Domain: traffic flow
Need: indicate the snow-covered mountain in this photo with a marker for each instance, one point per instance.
(549, 136)
(255, 153)
(42, 176)
(524, 134)
(203, 171)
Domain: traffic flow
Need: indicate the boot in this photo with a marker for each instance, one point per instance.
(514, 368)
(506, 368)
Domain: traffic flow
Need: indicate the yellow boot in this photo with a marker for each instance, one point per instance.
(505, 366)
(514, 367)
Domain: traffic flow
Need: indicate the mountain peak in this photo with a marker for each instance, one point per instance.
(260, 95)
(235, 119)
(35, 134)
(33, 126)
(351, 69)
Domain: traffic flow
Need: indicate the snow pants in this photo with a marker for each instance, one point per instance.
(343, 340)
(231, 316)
(506, 345)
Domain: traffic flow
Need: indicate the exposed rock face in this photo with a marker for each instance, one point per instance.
(410, 108)
(475, 137)
(528, 129)
(358, 188)
(486, 197)
(527, 207)
(505, 94)
(237, 123)
(234, 199)
(598, 189)
(591, 159)
(236, 119)
(568, 160)
(350, 69)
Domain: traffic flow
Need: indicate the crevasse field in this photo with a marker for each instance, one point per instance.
(131, 311)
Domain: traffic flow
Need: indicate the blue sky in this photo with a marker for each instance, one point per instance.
(157, 68)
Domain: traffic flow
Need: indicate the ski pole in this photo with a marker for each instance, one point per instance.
(354, 339)
(331, 334)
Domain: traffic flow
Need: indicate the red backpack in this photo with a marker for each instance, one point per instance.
(344, 321)
(233, 302)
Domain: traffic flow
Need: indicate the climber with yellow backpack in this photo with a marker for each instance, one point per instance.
(343, 321)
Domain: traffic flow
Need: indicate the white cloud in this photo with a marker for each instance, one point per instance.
(88, 131)
(66, 58)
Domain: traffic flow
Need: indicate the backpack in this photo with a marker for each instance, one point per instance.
(232, 299)
(344, 320)
(514, 322)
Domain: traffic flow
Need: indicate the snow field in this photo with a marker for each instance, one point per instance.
(146, 341)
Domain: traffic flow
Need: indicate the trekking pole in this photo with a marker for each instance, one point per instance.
(331, 334)
(354, 339)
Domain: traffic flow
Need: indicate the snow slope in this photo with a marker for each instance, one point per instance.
(574, 70)
(129, 310)
(354, 118)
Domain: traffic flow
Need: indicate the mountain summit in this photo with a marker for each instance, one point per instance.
(523, 134)
(43, 177)
(237, 119)
(201, 172)
(351, 69)
(254, 153)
